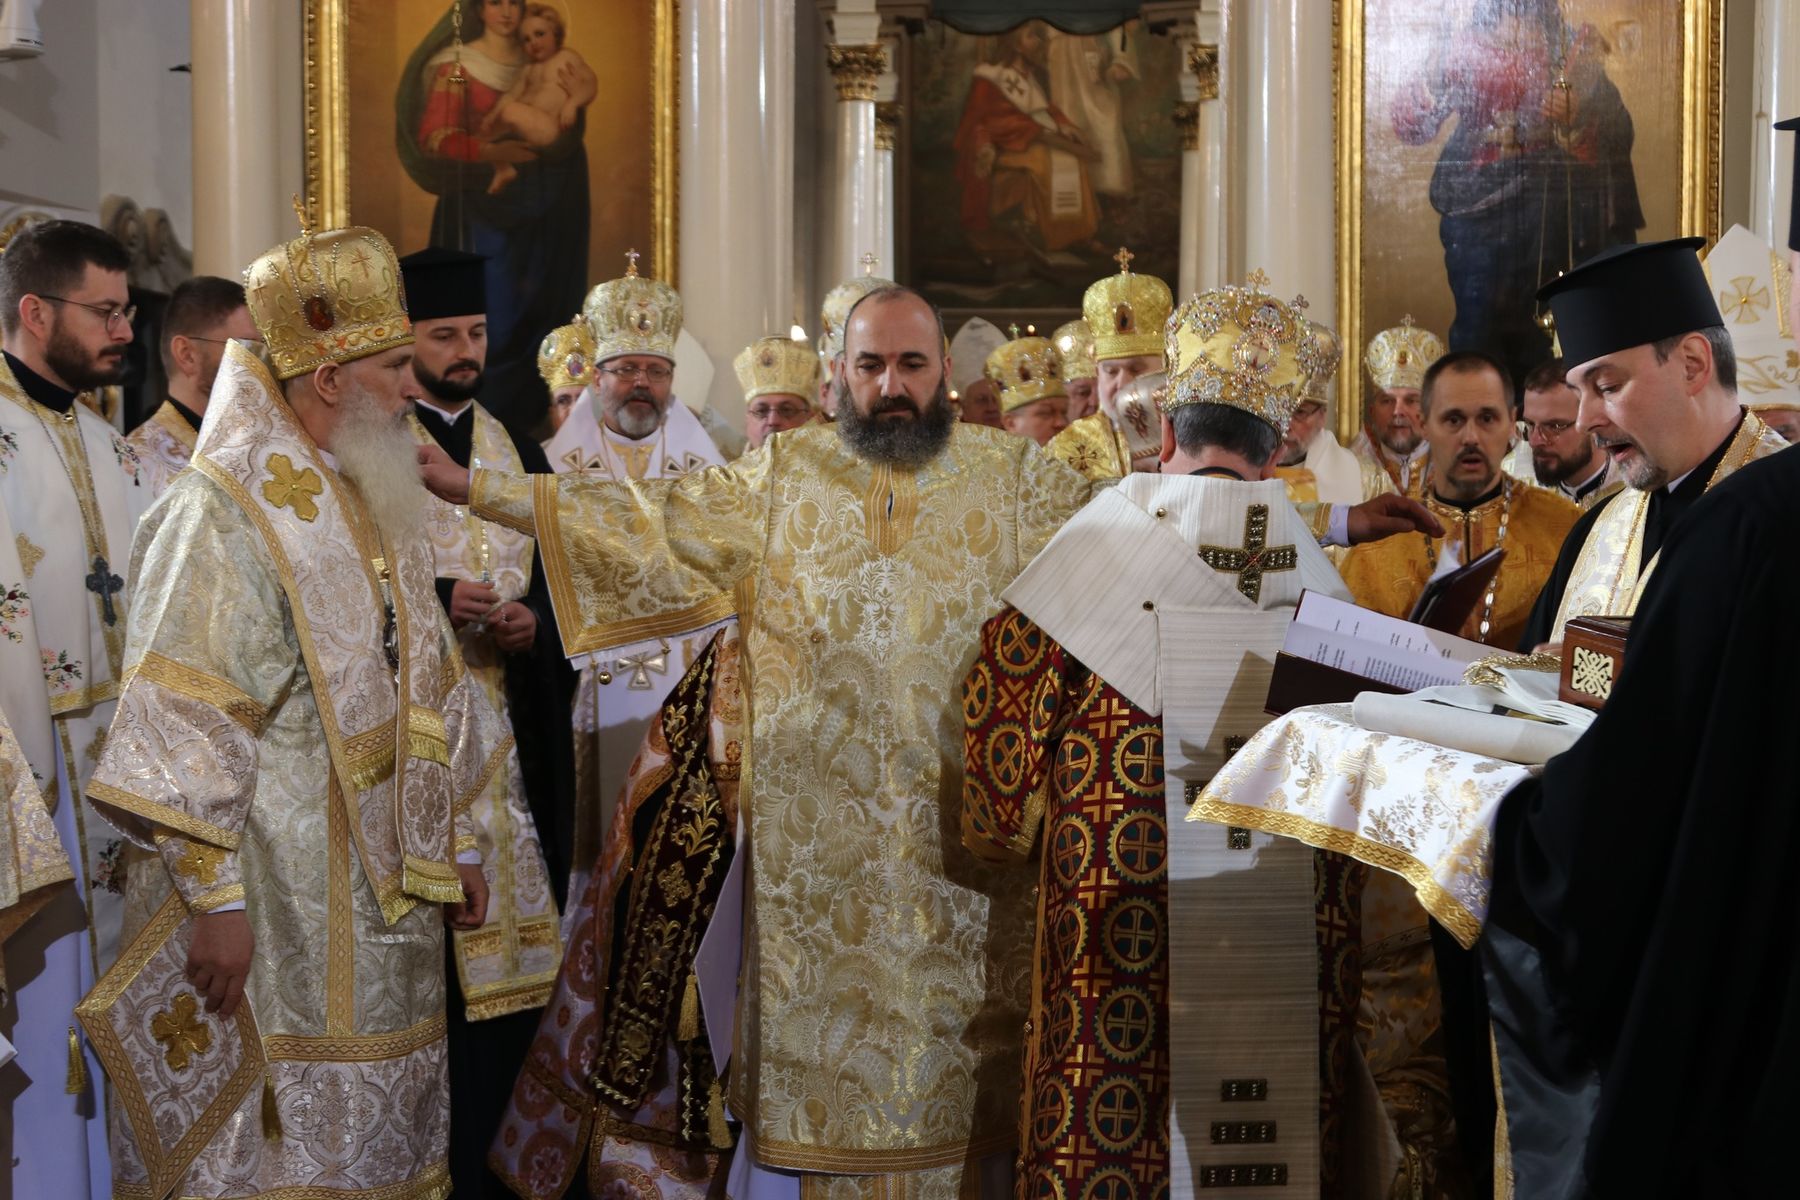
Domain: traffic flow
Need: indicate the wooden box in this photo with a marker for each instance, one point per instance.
(1593, 651)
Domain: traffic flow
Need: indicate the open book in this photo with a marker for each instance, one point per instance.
(1335, 649)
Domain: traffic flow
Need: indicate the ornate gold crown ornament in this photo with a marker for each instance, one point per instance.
(1241, 347)
(566, 356)
(778, 366)
(326, 297)
(633, 315)
(1027, 369)
(838, 303)
(1126, 312)
(1327, 352)
(1075, 346)
(1398, 357)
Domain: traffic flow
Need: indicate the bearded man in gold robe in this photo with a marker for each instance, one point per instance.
(299, 741)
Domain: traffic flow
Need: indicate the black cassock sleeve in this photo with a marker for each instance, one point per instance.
(1641, 968)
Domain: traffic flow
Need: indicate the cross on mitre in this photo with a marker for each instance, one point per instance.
(869, 262)
(631, 257)
(1123, 258)
(1256, 556)
(1256, 281)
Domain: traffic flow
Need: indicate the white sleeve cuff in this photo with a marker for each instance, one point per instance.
(468, 858)
(1337, 526)
(234, 906)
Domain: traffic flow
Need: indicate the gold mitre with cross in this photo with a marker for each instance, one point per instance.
(334, 296)
(633, 315)
(1326, 353)
(1752, 284)
(1397, 357)
(566, 356)
(1241, 347)
(1075, 346)
(1126, 312)
(1027, 369)
(778, 366)
(839, 301)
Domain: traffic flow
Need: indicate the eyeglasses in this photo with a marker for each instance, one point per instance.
(787, 412)
(112, 314)
(254, 345)
(653, 374)
(1548, 430)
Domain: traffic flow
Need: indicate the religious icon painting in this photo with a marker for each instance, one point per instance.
(539, 133)
(1483, 146)
(1026, 155)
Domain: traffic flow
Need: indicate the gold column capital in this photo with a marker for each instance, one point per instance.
(1203, 61)
(856, 68)
(887, 123)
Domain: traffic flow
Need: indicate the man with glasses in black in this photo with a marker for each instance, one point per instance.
(69, 499)
(1563, 455)
(203, 314)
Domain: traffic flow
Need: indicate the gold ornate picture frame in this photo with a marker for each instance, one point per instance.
(1494, 143)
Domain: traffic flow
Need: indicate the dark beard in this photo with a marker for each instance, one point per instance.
(445, 390)
(1565, 470)
(910, 444)
(64, 355)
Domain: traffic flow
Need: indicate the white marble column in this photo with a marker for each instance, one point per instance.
(1202, 184)
(856, 70)
(1277, 64)
(1777, 84)
(887, 127)
(737, 194)
(240, 109)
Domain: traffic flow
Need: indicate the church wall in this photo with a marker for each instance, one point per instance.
(49, 118)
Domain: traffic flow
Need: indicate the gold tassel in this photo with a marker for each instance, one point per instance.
(271, 1112)
(688, 1027)
(78, 1079)
(716, 1128)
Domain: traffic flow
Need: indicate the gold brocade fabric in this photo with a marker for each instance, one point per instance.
(1407, 476)
(164, 445)
(1388, 575)
(32, 858)
(1610, 574)
(509, 963)
(217, 754)
(1302, 485)
(1092, 446)
(885, 972)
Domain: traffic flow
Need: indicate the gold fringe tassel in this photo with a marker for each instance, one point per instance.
(716, 1128)
(271, 1112)
(688, 1027)
(78, 1077)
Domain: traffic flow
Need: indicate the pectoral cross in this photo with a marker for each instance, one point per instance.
(104, 584)
(1255, 556)
(640, 666)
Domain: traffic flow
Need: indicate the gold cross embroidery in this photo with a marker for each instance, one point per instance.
(1256, 556)
(200, 862)
(640, 666)
(288, 488)
(29, 555)
(180, 1031)
(1741, 303)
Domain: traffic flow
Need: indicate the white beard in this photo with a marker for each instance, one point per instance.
(377, 453)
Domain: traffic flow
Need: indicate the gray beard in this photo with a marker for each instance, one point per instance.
(377, 453)
(910, 444)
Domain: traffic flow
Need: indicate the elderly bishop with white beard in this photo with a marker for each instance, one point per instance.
(300, 742)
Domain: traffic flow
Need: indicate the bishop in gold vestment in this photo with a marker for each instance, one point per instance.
(297, 736)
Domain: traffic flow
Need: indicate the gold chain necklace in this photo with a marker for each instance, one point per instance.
(1487, 605)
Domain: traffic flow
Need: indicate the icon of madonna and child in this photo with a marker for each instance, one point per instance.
(503, 151)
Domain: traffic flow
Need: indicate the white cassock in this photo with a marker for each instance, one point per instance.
(621, 686)
(69, 501)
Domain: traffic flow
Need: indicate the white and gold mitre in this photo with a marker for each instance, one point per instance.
(566, 356)
(1397, 357)
(838, 303)
(1752, 282)
(1241, 347)
(633, 315)
(1126, 312)
(1326, 353)
(1075, 346)
(1028, 369)
(778, 366)
(326, 297)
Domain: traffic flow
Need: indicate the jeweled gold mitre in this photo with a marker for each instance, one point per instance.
(836, 311)
(633, 315)
(1075, 346)
(1327, 352)
(778, 366)
(1028, 369)
(1398, 357)
(1126, 312)
(326, 297)
(1242, 347)
(566, 356)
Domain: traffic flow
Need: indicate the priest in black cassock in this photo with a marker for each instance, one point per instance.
(494, 591)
